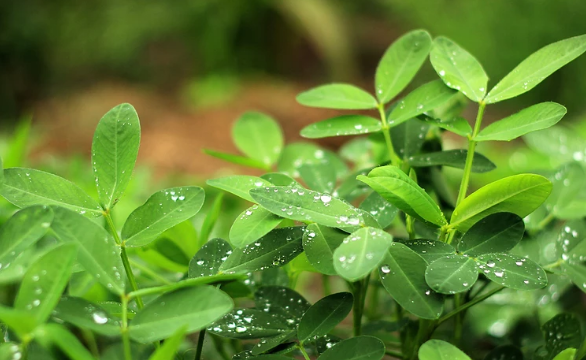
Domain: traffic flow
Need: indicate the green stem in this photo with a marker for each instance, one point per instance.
(124, 257)
(443, 233)
(360, 289)
(459, 320)
(470, 154)
(90, 340)
(581, 353)
(185, 283)
(124, 330)
(200, 340)
(473, 302)
(395, 354)
(302, 349)
(395, 159)
(543, 223)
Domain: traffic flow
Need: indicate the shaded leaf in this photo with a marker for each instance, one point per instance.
(337, 96)
(451, 274)
(320, 177)
(408, 137)
(430, 250)
(505, 352)
(381, 210)
(496, 233)
(512, 271)
(452, 158)
(282, 301)
(58, 335)
(343, 125)
(457, 125)
(356, 348)
(170, 347)
(249, 324)
(561, 332)
(324, 315)
(208, 260)
(319, 243)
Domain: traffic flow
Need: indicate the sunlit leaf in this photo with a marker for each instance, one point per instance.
(430, 250)
(259, 137)
(342, 126)
(337, 96)
(249, 324)
(87, 315)
(451, 274)
(511, 271)
(440, 350)
(536, 67)
(496, 233)
(319, 243)
(239, 185)
(252, 224)
(207, 261)
(452, 158)
(458, 68)
(457, 125)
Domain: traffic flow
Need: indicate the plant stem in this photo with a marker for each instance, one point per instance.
(185, 283)
(581, 353)
(302, 349)
(459, 320)
(124, 330)
(219, 345)
(474, 301)
(124, 257)
(395, 159)
(543, 223)
(90, 340)
(360, 289)
(470, 154)
(200, 340)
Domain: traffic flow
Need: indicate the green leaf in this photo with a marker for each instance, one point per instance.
(207, 261)
(259, 137)
(236, 159)
(22, 322)
(440, 350)
(408, 137)
(505, 352)
(324, 315)
(306, 205)
(403, 275)
(55, 334)
(280, 179)
(163, 210)
(211, 218)
(337, 96)
(193, 308)
(452, 158)
(356, 348)
(97, 252)
(535, 68)
(568, 354)
(512, 271)
(430, 250)
(239, 185)
(576, 273)
(562, 143)
(22, 231)
(170, 347)
(275, 249)
(249, 324)
(518, 194)
(400, 190)
(252, 224)
(10, 351)
(270, 343)
(343, 125)
(114, 152)
(536, 117)
(496, 233)
(361, 252)
(44, 282)
(27, 187)
(381, 210)
(18, 145)
(424, 98)
(319, 243)
(561, 332)
(458, 68)
(87, 315)
(451, 274)
(568, 181)
(400, 63)
(457, 125)
(319, 177)
(282, 301)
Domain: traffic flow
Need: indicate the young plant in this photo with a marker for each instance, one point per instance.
(391, 222)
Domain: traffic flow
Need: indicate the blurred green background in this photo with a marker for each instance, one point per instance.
(190, 67)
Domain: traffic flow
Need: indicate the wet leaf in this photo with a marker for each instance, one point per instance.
(324, 315)
(361, 252)
(282, 301)
(356, 348)
(408, 137)
(87, 315)
(381, 210)
(451, 274)
(27, 187)
(576, 273)
(518, 194)
(424, 98)
(320, 177)
(250, 324)
(97, 251)
(430, 250)
(562, 332)
(208, 260)
(259, 137)
(252, 224)
(403, 275)
(275, 249)
(114, 151)
(568, 354)
(306, 205)
(163, 210)
(511, 271)
(398, 189)
(505, 352)
(452, 158)
(568, 180)
(343, 125)
(280, 179)
(319, 243)
(535, 68)
(496, 233)
(457, 125)
(44, 282)
(236, 159)
(193, 308)
(440, 350)
(458, 68)
(58, 335)
(170, 347)
(270, 343)
(536, 117)
(400, 63)
(239, 185)
(337, 96)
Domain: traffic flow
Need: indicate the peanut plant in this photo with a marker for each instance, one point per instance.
(378, 225)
